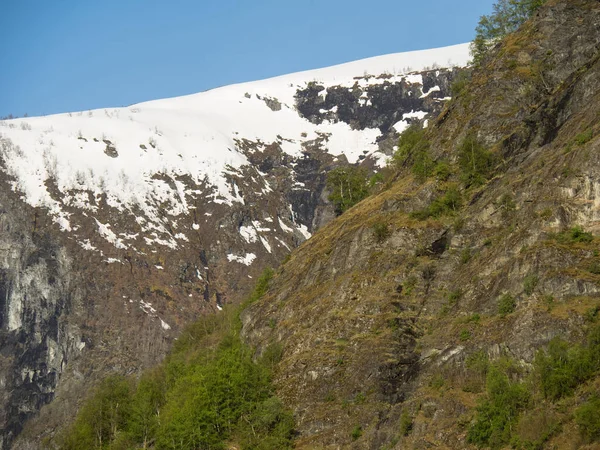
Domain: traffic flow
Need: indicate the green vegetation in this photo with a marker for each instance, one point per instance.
(562, 367)
(530, 282)
(356, 433)
(460, 82)
(518, 412)
(442, 171)
(411, 141)
(406, 424)
(207, 392)
(585, 137)
(574, 235)
(261, 286)
(381, 231)
(475, 161)
(507, 205)
(413, 151)
(465, 255)
(447, 204)
(497, 414)
(348, 185)
(587, 417)
(506, 304)
(507, 17)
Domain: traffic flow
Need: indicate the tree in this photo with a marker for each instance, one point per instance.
(475, 161)
(348, 185)
(506, 18)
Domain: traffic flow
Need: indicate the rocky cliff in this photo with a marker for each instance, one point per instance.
(120, 226)
(386, 312)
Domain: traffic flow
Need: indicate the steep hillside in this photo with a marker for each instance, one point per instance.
(397, 319)
(134, 221)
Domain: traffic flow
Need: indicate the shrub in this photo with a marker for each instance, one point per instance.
(574, 235)
(498, 412)
(412, 139)
(585, 137)
(406, 424)
(577, 234)
(465, 335)
(562, 367)
(261, 286)
(413, 151)
(534, 429)
(447, 204)
(381, 231)
(356, 433)
(529, 283)
(587, 416)
(465, 255)
(442, 171)
(348, 185)
(477, 365)
(507, 205)
(506, 304)
(475, 161)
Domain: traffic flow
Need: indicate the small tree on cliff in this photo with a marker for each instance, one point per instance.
(348, 186)
(507, 17)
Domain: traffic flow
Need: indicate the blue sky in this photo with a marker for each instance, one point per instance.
(71, 55)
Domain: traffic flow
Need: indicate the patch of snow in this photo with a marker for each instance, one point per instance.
(109, 235)
(248, 233)
(414, 115)
(195, 226)
(284, 227)
(304, 230)
(283, 243)
(266, 244)
(86, 245)
(246, 260)
(400, 126)
(430, 91)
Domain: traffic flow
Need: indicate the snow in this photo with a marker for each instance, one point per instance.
(248, 233)
(284, 227)
(193, 136)
(247, 259)
(265, 244)
(414, 115)
(304, 230)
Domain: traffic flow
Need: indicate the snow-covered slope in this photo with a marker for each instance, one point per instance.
(68, 161)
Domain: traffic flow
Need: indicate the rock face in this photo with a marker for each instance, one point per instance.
(38, 292)
(379, 326)
(120, 226)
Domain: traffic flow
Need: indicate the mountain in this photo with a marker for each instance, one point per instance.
(461, 310)
(122, 225)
